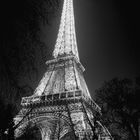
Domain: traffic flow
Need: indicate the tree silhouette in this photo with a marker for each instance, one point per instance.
(6, 121)
(119, 99)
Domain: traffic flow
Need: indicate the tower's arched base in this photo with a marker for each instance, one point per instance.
(70, 119)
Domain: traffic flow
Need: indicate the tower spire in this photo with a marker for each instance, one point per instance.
(66, 43)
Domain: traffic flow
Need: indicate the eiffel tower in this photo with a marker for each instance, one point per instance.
(61, 106)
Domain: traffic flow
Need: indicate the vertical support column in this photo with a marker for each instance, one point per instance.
(78, 121)
(92, 135)
(46, 133)
(72, 125)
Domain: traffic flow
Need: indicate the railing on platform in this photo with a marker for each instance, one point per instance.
(51, 97)
(69, 95)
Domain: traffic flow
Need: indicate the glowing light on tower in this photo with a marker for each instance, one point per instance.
(66, 41)
(61, 104)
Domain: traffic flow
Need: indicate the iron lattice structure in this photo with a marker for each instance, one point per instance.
(61, 106)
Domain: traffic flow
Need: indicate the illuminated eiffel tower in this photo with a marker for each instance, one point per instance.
(61, 106)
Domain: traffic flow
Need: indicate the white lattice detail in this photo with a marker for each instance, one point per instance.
(48, 89)
(64, 131)
(78, 120)
(66, 41)
(84, 85)
(70, 83)
(77, 77)
(46, 133)
(40, 88)
(58, 86)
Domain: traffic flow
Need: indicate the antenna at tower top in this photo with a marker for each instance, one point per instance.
(66, 43)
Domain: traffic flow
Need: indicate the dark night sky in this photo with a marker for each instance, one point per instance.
(106, 36)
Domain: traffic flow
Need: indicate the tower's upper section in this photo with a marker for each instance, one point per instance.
(66, 41)
(63, 80)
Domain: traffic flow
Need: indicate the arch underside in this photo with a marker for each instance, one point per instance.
(54, 126)
(51, 126)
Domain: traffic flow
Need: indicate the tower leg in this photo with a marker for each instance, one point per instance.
(46, 134)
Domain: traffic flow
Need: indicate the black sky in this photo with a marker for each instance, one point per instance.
(106, 36)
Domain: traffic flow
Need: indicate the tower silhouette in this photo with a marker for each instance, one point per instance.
(61, 106)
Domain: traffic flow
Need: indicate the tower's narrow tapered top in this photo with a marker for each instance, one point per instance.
(66, 41)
